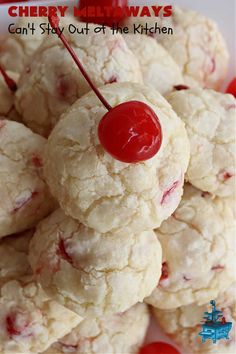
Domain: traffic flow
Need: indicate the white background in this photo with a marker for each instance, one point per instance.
(222, 11)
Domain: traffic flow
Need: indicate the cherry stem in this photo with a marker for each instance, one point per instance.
(54, 22)
(9, 82)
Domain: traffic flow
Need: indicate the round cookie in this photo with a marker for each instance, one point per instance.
(29, 321)
(91, 273)
(198, 243)
(104, 193)
(210, 122)
(158, 68)
(24, 195)
(119, 333)
(7, 107)
(53, 82)
(183, 325)
(196, 45)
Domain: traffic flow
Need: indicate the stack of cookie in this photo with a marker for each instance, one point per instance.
(87, 240)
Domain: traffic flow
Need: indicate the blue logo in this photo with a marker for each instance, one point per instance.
(215, 326)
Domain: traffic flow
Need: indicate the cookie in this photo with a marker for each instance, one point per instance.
(119, 333)
(91, 273)
(102, 192)
(195, 44)
(184, 324)
(198, 243)
(158, 68)
(210, 122)
(24, 195)
(53, 82)
(30, 322)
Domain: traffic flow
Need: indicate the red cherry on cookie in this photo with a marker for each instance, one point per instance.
(232, 87)
(130, 132)
(158, 348)
(108, 20)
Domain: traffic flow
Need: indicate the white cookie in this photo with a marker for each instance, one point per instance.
(210, 122)
(7, 107)
(91, 273)
(54, 82)
(24, 195)
(116, 334)
(29, 321)
(183, 325)
(102, 192)
(196, 45)
(158, 68)
(198, 243)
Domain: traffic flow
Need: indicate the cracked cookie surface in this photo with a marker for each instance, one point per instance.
(198, 251)
(210, 122)
(23, 190)
(92, 273)
(119, 333)
(104, 193)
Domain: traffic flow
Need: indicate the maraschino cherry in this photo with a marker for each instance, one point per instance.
(107, 20)
(131, 131)
(232, 87)
(9, 82)
(158, 348)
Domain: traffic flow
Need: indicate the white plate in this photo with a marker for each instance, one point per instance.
(223, 12)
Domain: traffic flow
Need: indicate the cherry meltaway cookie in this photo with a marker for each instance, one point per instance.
(7, 107)
(119, 333)
(53, 82)
(24, 195)
(158, 67)
(196, 45)
(210, 122)
(13, 256)
(92, 273)
(29, 321)
(102, 192)
(184, 324)
(198, 243)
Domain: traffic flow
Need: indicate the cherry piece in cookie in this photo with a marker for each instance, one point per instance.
(109, 20)
(232, 87)
(9, 82)
(158, 348)
(130, 132)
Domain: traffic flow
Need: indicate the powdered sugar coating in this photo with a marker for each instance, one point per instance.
(7, 107)
(91, 273)
(120, 333)
(210, 122)
(198, 251)
(183, 325)
(54, 81)
(196, 45)
(104, 193)
(158, 68)
(25, 198)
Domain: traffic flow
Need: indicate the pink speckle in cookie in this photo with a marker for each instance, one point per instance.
(205, 194)
(224, 175)
(213, 65)
(186, 278)
(164, 271)
(169, 191)
(16, 324)
(36, 160)
(218, 267)
(2, 124)
(62, 252)
(23, 200)
(63, 87)
(111, 80)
